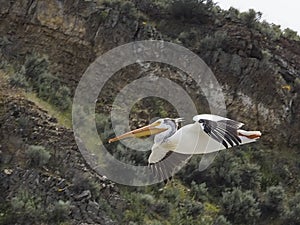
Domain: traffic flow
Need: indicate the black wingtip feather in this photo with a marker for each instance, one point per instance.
(223, 131)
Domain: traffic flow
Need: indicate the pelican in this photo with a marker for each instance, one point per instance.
(209, 133)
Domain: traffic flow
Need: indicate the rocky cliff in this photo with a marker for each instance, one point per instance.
(66, 188)
(259, 74)
(260, 77)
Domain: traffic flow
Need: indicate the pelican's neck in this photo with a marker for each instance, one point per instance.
(163, 136)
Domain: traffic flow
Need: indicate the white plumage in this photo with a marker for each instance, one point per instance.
(209, 133)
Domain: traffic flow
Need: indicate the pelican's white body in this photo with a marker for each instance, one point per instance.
(191, 139)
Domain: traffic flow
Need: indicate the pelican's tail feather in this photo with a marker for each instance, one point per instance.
(249, 134)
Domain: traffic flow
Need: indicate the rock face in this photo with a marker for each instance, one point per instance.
(260, 78)
(64, 187)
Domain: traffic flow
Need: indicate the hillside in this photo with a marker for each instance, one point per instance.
(46, 46)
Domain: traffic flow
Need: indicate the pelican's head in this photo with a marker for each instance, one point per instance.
(166, 125)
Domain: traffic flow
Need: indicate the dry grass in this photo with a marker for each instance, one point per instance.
(63, 118)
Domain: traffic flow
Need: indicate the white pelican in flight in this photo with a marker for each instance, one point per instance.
(209, 133)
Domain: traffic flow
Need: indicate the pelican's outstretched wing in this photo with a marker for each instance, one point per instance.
(208, 134)
(223, 131)
(207, 160)
(168, 165)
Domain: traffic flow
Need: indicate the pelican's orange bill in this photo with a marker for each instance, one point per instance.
(141, 132)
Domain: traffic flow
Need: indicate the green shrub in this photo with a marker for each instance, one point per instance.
(215, 41)
(23, 122)
(291, 34)
(83, 182)
(172, 195)
(155, 222)
(199, 191)
(111, 3)
(137, 209)
(46, 86)
(4, 41)
(271, 31)
(194, 209)
(192, 10)
(4, 64)
(267, 55)
(188, 38)
(162, 208)
(240, 207)
(236, 64)
(61, 98)
(35, 66)
(274, 198)
(292, 212)
(37, 155)
(18, 79)
(128, 9)
(60, 211)
(26, 207)
(250, 18)
(229, 170)
(232, 14)
(221, 220)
